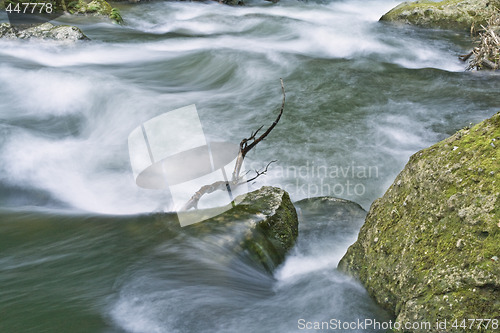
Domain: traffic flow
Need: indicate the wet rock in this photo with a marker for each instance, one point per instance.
(42, 31)
(321, 217)
(263, 227)
(431, 259)
(336, 208)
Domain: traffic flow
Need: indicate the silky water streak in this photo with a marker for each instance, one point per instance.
(170, 152)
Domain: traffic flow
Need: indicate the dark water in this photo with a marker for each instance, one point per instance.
(79, 251)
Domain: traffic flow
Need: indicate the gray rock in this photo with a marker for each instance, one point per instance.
(46, 31)
(340, 209)
(426, 251)
(328, 217)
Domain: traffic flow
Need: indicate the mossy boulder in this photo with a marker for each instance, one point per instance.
(42, 31)
(94, 7)
(429, 247)
(262, 227)
(447, 14)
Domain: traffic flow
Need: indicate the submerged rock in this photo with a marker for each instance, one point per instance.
(339, 215)
(429, 247)
(342, 210)
(447, 14)
(335, 218)
(42, 31)
(263, 226)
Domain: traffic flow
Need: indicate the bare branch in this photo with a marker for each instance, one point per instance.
(465, 57)
(487, 54)
(266, 133)
(245, 147)
(206, 189)
(258, 173)
(237, 179)
(252, 137)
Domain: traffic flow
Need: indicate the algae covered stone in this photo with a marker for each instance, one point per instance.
(447, 14)
(94, 8)
(263, 227)
(429, 248)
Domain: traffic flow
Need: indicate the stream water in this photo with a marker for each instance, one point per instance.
(79, 251)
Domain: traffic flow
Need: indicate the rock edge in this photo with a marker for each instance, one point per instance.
(429, 247)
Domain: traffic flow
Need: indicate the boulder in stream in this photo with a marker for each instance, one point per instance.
(428, 250)
(263, 226)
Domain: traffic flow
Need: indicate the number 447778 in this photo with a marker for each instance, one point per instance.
(475, 324)
(30, 8)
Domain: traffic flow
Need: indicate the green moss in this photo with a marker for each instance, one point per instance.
(116, 16)
(90, 7)
(447, 14)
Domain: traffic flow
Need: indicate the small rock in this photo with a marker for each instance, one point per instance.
(460, 244)
(43, 31)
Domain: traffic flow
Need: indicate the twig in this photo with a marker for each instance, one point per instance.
(487, 54)
(245, 147)
(237, 179)
(465, 57)
(206, 189)
(258, 173)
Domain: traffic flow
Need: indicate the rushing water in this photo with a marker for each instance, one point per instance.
(78, 252)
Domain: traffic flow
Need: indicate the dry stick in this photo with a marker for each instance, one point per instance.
(206, 189)
(488, 53)
(465, 57)
(492, 33)
(258, 173)
(245, 147)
